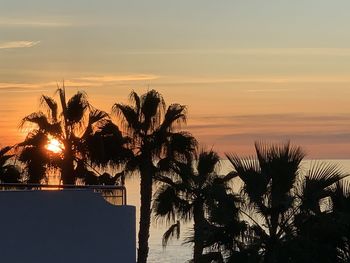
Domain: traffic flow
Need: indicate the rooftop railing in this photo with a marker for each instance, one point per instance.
(113, 194)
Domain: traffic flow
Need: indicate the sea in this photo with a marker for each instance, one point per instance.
(177, 250)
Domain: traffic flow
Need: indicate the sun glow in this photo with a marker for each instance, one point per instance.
(54, 145)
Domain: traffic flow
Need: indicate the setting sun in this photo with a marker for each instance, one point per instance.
(54, 145)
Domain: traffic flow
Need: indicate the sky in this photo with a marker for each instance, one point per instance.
(253, 70)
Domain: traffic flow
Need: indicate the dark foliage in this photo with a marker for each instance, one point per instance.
(87, 135)
(156, 143)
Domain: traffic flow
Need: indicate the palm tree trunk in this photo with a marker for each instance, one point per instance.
(145, 212)
(67, 173)
(270, 252)
(67, 170)
(199, 220)
(271, 245)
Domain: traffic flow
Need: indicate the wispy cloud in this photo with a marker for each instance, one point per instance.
(31, 22)
(76, 82)
(321, 135)
(246, 51)
(116, 78)
(176, 80)
(18, 44)
(272, 121)
(256, 79)
(300, 137)
(7, 85)
(267, 90)
(100, 80)
(299, 127)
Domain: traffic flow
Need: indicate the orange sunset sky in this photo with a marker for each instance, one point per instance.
(247, 70)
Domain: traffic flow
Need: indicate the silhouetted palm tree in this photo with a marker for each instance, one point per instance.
(279, 199)
(154, 141)
(9, 173)
(268, 182)
(200, 195)
(340, 197)
(322, 222)
(85, 133)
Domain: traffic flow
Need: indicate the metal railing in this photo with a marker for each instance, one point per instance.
(113, 194)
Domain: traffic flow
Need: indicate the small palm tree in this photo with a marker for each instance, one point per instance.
(9, 173)
(83, 132)
(196, 194)
(155, 140)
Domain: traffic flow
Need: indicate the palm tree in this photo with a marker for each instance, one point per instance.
(83, 132)
(200, 195)
(155, 142)
(340, 197)
(9, 173)
(322, 222)
(278, 197)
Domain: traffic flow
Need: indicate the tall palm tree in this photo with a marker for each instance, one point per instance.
(277, 196)
(9, 173)
(83, 132)
(155, 142)
(197, 194)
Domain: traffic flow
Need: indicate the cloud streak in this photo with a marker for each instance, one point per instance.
(20, 22)
(77, 82)
(18, 44)
(254, 79)
(310, 130)
(117, 78)
(299, 138)
(246, 51)
(100, 80)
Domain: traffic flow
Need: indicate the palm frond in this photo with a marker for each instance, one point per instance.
(76, 108)
(175, 114)
(107, 146)
(130, 118)
(152, 109)
(318, 180)
(134, 98)
(177, 145)
(281, 164)
(208, 161)
(325, 174)
(96, 115)
(173, 230)
(167, 202)
(38, 118)
(249, 171)
(62, 94)
(229, 176)
(340, 196)
(51, 105)
(266, 153)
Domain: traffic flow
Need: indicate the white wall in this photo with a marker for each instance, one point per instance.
(69, 226)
